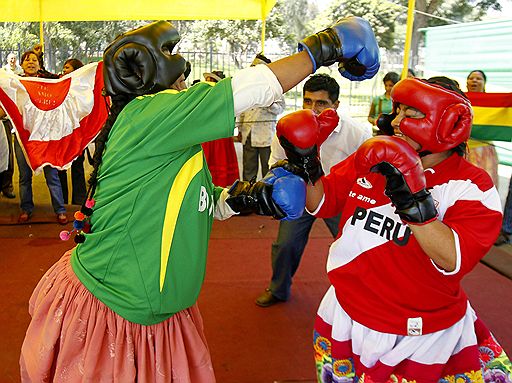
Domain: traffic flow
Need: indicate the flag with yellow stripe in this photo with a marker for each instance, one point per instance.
(492, 118)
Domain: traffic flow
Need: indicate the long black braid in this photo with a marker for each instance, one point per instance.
(118, 103)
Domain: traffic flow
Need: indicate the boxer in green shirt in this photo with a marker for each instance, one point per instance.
(121, 306)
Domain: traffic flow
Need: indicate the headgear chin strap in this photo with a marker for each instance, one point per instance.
(140, 62)
(448, 115)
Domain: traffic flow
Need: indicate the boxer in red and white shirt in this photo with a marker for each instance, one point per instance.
(416, 218)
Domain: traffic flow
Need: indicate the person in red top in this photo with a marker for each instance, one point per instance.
(220, 154)
(416, 218)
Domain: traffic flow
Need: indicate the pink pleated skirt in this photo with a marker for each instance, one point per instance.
(73, 337)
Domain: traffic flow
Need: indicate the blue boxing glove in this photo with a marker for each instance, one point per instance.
(350, 42)
(280, 194)
(289, 192)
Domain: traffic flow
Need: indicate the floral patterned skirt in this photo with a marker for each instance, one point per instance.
(346, 351)
(484, 156)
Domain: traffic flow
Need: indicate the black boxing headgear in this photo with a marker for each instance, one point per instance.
(141, 62)
(448, 115)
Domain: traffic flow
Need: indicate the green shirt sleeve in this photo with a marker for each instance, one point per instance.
(179, 120)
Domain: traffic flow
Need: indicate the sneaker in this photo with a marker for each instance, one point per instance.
(24, 216)
(267, 299)
(62, 218)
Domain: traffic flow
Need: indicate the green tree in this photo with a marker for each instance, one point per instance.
(242, 37)
(381, 15)
(286, 24)
(299, 20)
(82, 40)
(14, 35)
(388, 18)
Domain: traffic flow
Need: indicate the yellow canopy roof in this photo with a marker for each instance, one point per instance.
(97, 10)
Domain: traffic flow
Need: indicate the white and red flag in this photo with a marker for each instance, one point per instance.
(55, 119)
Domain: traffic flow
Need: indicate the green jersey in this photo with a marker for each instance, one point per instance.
(145, 257)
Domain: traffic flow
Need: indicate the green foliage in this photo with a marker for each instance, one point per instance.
(75, 37)
(381, 15)
(241, 36)
(288, 22)
(22, 34)
(298, 20)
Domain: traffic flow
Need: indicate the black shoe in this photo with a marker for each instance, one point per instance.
(502, 239)
(8, 193)
(267, 299)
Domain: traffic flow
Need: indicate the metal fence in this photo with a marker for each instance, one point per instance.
(355, 97)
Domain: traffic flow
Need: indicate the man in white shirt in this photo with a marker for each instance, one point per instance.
(320, 92)
(12, 65)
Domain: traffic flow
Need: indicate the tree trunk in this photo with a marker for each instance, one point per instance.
(420, 21)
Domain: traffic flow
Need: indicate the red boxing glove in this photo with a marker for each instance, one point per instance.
(301, 133)
(405, 179)
(304, 129)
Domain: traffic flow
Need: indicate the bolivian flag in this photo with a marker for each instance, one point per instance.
(492, 120)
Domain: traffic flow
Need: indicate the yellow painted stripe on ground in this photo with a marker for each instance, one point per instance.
(492, 116)
(174, 201)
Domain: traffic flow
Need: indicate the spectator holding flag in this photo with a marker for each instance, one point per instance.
(416, 218)
(481, 153)
(31, 67)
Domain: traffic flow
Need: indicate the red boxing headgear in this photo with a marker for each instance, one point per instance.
(448, 115)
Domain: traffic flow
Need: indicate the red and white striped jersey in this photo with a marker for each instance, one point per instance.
(382, 277)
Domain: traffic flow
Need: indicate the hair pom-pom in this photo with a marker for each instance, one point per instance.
(78, 225)
(64, 235)
(79, 215)
(90, 203)
(79, 238)
(87, 227)
(86, 211)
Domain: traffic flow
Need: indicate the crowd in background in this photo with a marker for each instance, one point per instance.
(225, 171)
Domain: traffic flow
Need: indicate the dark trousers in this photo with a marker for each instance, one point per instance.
(78, 191)
(251, 156)
(25, 183)
(6, 176)
(287, 250)
(507, 211)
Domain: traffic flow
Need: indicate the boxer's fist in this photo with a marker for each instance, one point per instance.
(300, 134)
(405, 179)
(280, 194)
(350, 42)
